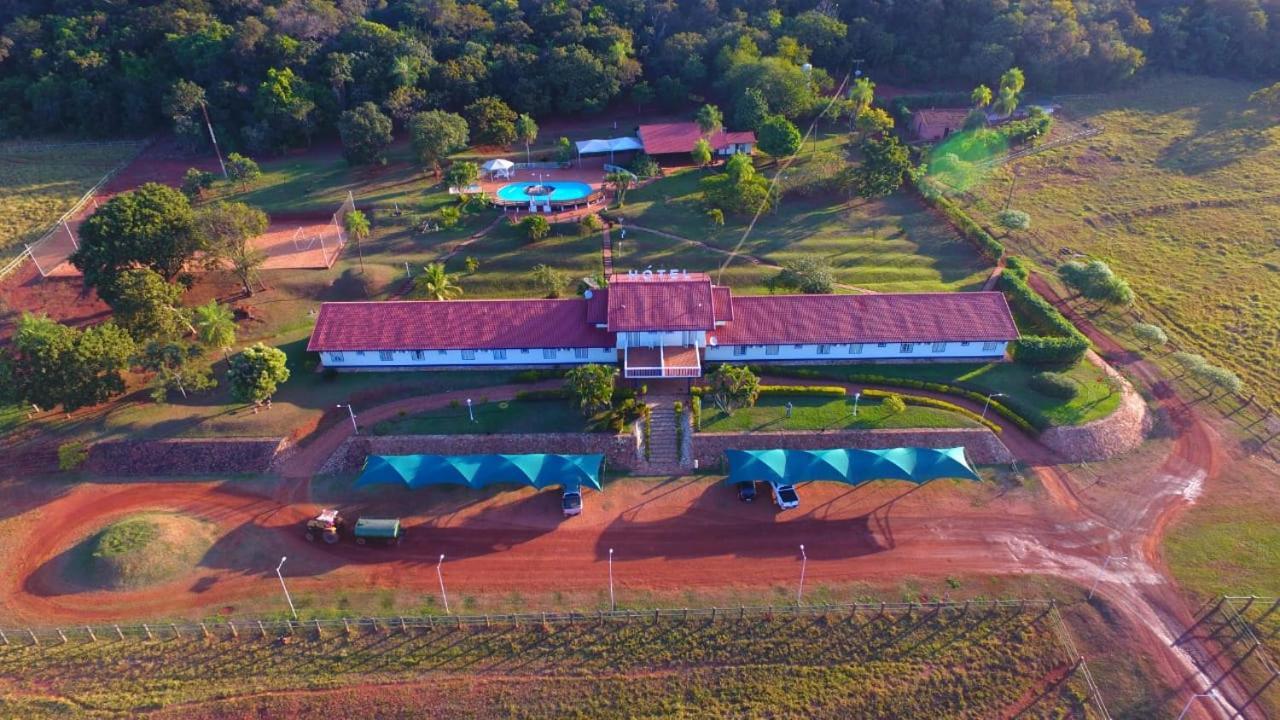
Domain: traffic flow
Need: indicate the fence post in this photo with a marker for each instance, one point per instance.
(176, 633)
(146, 629)
(119, 633)
(92, 637)
(319, 632)
(34, 640)
(62, 636)
(262, 630)
(404, 628)
(346, 628)
(204, 630)
(742, 612)
(4, 638)
(655, 616)
(713, 614)
(235, 634)
(685, 616)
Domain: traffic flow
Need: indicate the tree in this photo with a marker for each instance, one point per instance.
(779, 137)
(47, 364)
(215, 325)
(152, 227)
(1268, 98)
(1096, 282)
(147, 307)
(366, 134)
(621, 182)
(435, 283)
(862, 93)
(1217, 378)
(591, 386)
(751, 110)
(462, 174)
(642, 94)
(701, 154)
(710, 120)
(175, 366)
(284, 110)
(493, 121)
(471, 264)
(980, 97)
(256, 372)
(549, 280)
(716, 216)
(589, 225)
(1149, 335)
(181, 105)
(195, 182)
(526, 132)
(885, 165)
(1011, 84)
(1189, 362)
(810, 274)
(229, 229)
(357, 227)
(734, 386)
(243, 170)
(738, 190)
(1014, 219)
(435, 135)
(873, 122)
(564, 150)
(535, 227)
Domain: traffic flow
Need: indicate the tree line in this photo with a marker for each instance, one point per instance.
(277, 73)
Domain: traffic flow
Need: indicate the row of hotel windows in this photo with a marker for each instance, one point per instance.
(856, 348)
(389, 356)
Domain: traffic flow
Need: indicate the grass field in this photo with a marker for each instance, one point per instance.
(916, 664)
(38, 183)
(818, 413)
(515, 416)
(143, 550)
(1181, 193)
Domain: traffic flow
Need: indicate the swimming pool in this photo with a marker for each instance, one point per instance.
(560, 191)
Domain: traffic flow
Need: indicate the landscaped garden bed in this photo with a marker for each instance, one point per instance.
(825, 413)
(507, 416)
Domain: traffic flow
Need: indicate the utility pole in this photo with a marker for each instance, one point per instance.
(205, 110)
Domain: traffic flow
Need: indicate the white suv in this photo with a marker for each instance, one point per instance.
(785, 497)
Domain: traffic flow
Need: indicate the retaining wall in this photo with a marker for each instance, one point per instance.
(621, 451)
(128, 458)
(1116, 434)
(981, 445)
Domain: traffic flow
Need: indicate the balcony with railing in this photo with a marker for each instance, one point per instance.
(664, 361)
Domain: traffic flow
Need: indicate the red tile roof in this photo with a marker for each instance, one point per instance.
(455, 324)
(652, 302)
(722, 303)
(664, 138)
(917, 317)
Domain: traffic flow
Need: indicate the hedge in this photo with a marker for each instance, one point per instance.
(1062, 345)
(806, 390)
(925, 401)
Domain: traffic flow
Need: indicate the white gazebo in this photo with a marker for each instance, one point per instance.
(611, 145)
(498, 168)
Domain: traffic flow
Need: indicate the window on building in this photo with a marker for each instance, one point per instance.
(499, 354)
(990, 345)
(385, 356)
(580, 353)
(824, 349)
(964, 344)
(442, 352)
(419, 355)
(855, 348)
(359, 353)
(523, 351)
(907, 348)
(940, 347)
(335, 357)
(798, 346)
(772, 349)
(548, 354)
(468, 354)
(882, 345)
(739, 349)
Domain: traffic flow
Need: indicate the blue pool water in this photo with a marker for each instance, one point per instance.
(561, 191)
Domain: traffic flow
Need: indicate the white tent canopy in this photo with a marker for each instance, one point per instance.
(498, 167)
(618, 144)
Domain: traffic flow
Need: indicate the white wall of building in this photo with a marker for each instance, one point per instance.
(435, 358)
(654, 339)
(856, 351)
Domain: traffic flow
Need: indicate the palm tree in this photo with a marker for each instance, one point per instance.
(215, 325)
(981, 96)
(436, 284)
(621, 182)
(357, 227)
(862, 94)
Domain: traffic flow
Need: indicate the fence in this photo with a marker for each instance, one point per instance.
(1245, 632)
(541, 166)
(1028, 152)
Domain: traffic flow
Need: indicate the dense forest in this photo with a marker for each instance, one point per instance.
(275, 73)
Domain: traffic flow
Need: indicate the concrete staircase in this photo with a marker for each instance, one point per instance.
(664, 456)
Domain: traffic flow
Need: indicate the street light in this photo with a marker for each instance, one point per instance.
(856, 397)
(804, 562)
(280, 575)
(440, 575)
(988, 403)
(352, 413)
(613, 606)
(470, 413)
(1102, 570)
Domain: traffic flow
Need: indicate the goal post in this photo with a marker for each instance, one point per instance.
(339, 220)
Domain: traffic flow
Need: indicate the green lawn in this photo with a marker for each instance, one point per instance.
(515, 416)
(818, 413)
(1096, 398)
(1180, 195)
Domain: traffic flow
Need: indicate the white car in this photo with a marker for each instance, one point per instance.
(785, 497)
(571, 503)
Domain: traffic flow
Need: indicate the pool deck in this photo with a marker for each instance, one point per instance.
(591, 173)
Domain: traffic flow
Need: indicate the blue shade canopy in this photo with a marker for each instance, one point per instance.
(537, 470)
(852, 466)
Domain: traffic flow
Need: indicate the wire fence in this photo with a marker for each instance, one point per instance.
(1241, 630)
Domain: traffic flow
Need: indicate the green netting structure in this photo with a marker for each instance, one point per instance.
(847, 465)
(539, 470)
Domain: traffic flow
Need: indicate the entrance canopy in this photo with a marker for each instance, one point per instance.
(537, 470)
(852, 466)
(611, 145)
(498, 167)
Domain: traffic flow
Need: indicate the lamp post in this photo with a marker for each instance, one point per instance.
(988, 403)
(352, 413)
(613, 606)
(440, 576)
(804, 562)
(1103, 569)
(285, 587)
(470, 413)
(856, 397)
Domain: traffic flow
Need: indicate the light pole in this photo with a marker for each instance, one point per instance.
(440, 575)
(804, 562)
(988, 403)
(352, 413)
(1193, 698)
(856, 397)
(613, 606)
(1105, 563)
(470, 413)
(285, 587)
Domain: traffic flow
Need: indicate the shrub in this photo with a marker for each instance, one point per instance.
(1149, 335)
(695, 407)
(926, 401)
(71, 455)
(1014, 219)
(535, 227)
(895, 404)
(1055, 385)
(590, 224)
(644, 166)
(735, 386)
(532, 376)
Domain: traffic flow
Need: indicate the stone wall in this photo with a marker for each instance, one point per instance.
(982, 446)
(128, 458)
(621, 451)
(1116, 434)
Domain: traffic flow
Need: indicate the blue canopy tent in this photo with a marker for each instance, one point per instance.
(539, 470)
(852, 466)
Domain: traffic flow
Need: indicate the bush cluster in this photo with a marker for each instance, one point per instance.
(926, 401)
(1055, 385)
(807, 390)
(1061, 343)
